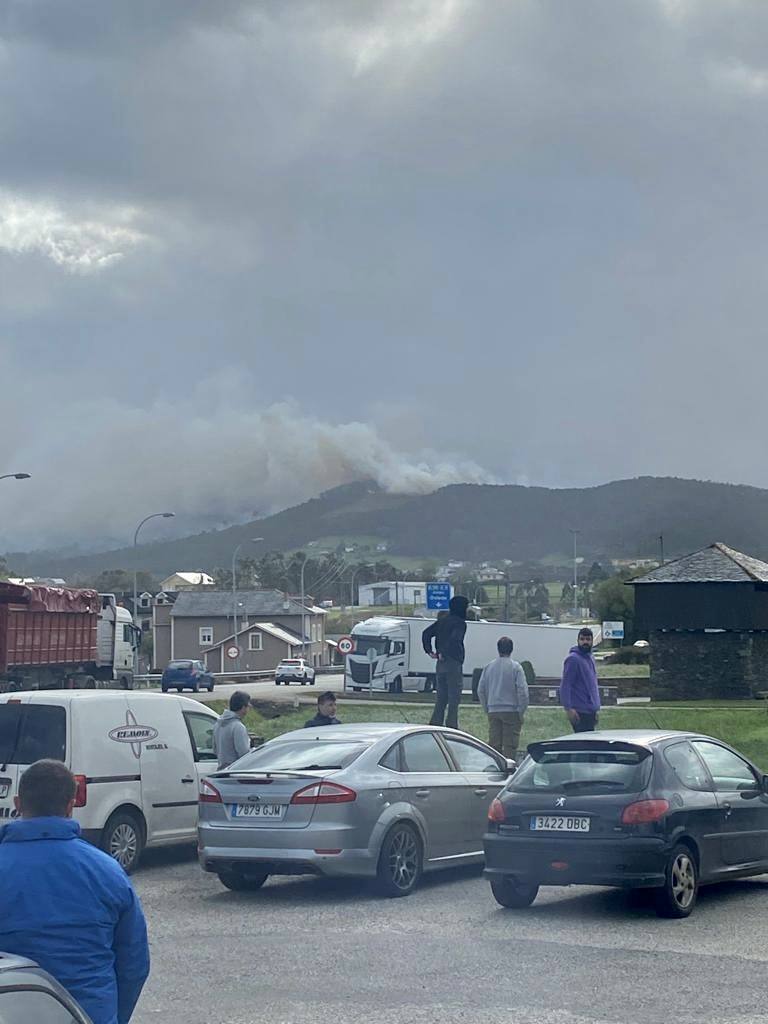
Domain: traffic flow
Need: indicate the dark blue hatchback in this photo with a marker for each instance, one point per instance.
(667, 811)
(186, 675)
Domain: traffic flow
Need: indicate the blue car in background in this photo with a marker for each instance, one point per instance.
(186, 675)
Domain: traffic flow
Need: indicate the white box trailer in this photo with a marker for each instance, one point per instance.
(388, 652)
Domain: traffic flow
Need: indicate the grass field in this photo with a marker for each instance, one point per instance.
(743, 726)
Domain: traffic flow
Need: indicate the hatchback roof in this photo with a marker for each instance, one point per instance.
(640, 737)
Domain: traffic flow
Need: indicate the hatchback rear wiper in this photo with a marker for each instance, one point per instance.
(613, 783)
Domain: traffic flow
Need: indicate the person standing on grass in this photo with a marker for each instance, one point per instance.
(326, 711)
(579, 693)
(448, 636)
(503, 693)
(230, 737)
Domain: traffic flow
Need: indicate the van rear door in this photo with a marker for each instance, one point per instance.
(28, 732)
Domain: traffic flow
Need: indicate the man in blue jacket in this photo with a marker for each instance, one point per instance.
(66, 904)
(579, 694)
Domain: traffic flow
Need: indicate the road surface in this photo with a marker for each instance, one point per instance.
(304, 950)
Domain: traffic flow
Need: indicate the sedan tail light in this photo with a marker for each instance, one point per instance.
(496, 811)
(208, 794)
(324, 793)
(644, 811)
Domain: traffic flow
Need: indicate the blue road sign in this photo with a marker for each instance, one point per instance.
(438, 595)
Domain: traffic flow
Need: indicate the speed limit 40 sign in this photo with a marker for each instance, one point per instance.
(346, 645)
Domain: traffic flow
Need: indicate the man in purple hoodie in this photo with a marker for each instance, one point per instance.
(579, 694)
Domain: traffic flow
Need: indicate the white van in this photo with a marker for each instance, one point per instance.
(137, 757)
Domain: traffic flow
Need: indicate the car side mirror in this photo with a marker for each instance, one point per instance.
(511, 765)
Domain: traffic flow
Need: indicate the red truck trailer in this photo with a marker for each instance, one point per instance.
(49, 637)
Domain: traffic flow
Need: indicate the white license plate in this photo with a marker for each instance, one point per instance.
(558, 823)
(257, 810)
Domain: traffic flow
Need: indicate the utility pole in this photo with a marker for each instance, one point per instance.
(661, 547)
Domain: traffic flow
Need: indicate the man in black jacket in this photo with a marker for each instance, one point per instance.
(326, 711)
(448, 635)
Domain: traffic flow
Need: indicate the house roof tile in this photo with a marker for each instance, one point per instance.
(717, 563)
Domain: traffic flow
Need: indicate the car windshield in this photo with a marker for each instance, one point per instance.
(303, 755)
(583, 770)
(364, 643)
(29, 732)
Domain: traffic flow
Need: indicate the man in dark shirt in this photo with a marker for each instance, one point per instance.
(326, 711)
(448, 635)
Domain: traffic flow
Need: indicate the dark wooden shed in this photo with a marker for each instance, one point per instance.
(706, 617)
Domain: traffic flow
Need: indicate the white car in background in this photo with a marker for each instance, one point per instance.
(294, 670)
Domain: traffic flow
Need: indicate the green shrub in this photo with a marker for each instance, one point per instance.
(630, 656)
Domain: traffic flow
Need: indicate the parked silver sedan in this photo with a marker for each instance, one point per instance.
(382, 801)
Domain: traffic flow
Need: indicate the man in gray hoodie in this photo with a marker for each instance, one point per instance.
(230, 737)
(503, 692)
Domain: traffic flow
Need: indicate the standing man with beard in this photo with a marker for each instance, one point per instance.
(448, 635)
(579, 694)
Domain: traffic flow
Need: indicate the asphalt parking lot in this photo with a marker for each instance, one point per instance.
(305, 950)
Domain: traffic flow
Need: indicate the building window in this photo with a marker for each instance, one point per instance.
(206, 636)
(254, 642)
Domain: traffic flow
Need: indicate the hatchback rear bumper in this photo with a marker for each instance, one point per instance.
(628, 862)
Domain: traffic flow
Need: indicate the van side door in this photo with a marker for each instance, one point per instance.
(168, 776)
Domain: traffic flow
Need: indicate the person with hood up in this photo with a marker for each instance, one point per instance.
(579, 693)
(448, 636)
(230, 737)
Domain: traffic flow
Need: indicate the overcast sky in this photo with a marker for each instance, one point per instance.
(252, 250)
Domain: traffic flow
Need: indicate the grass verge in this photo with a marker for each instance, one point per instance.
(745, 728)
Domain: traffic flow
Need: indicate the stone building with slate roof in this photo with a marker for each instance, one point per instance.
(706, 617)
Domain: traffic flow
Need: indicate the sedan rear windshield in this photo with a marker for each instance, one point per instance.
(301, 755)
(29, 732)
(179, 664)
(583, 770)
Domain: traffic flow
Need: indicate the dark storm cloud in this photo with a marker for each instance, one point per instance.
(526, 235)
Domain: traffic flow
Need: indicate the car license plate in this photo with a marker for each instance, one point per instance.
(257, 810)
(5, 788)
(558, 823)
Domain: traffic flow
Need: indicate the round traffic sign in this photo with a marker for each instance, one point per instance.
(233, 652)
(346, 645)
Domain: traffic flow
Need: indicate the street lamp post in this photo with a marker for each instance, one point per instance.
(575, 534)
(253, 540)
(15, 476)
(155, 515)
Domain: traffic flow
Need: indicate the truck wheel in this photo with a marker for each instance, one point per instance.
(123, 839)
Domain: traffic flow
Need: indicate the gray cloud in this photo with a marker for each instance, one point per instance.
(526, 234)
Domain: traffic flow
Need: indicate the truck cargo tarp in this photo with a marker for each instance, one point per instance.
(50, 599)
